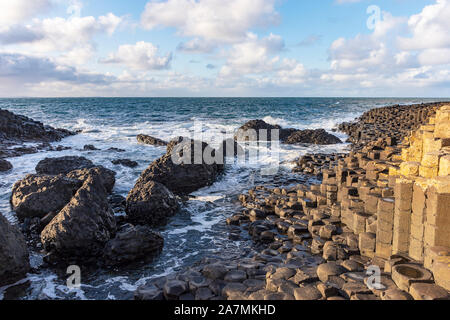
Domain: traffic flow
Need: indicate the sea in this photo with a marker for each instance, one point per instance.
(199, 230)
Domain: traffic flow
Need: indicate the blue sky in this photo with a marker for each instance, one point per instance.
(224, 48)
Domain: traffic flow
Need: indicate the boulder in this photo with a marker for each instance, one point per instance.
(326, 270)
(14, 259)
(90, 147)
(63, 165)
(5, 165)
(151, 203)
(37, 195)
(125, 162)
(82, 228)
(188, 173)
(108, 177)
(256, 130)
(133, 243)
(320, 137)
(142, 138)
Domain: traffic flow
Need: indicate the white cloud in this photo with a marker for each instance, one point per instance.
(142, 56)
(212, 20)
(253, 56)
(16, 11)
(430, 28)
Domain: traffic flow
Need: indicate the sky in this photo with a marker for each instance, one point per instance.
(222, 48)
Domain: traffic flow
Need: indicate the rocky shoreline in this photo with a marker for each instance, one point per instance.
(305, 244)
(318, 242)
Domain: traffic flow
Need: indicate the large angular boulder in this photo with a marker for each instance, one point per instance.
(184, 169)
(14, 259)
(108, 177)
(133, 243)
(151, 203)
(144, 139)
(82, 228)
(37, 195)
(63, 165)
(256, 130)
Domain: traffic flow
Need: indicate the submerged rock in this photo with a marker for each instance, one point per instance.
(133, 243)
(37, 195)
(150, 203)
(14, 259)
(82, 228)
(63, 165)
(189, 172)
(5, 165)
(142, 138)
(125, 162)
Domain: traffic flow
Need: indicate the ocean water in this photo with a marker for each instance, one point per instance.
(199, 230)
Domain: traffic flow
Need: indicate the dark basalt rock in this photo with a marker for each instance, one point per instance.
(132, 244)
(187, 174)
(63, 165)
(125, 162)
(108, 177)
(22, 129)
(5, 165)
(255, 130)
(83, 227)
(319, 136)
(142, 138)
(150, 203)
(90, 147)
(14, 259)
(244, 133)
(37, 195)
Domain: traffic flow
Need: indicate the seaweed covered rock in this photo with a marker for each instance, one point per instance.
(14, 259)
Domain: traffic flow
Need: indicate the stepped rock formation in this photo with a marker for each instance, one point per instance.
(384, 206)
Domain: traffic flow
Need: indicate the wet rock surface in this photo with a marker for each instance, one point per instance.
(258, 130)
(133, 243)
(150, 203)
(14, 259)
(82, 228)
(189, 173)
(17, 129)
